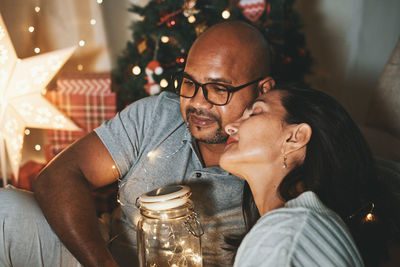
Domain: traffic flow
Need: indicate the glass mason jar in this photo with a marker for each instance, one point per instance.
(168, 232)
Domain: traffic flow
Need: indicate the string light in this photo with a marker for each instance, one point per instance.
(81, 43)
(164, 39)
(370, 217)
(79, 67)
(37, 9)
(151, 155)
(226, 14)
(27, 132)
(36, 50)
(38, 147)
(31, 28)
(92, 21)
(99, 1)
(163, 83)
(136, 70)
(191, 19)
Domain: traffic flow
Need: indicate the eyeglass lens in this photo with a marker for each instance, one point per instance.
(215, 93)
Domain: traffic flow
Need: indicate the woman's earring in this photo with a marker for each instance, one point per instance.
(284, 166)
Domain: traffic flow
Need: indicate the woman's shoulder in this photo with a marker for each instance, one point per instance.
(304, 230)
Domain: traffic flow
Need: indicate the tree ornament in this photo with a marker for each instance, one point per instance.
(141, 46)
(252, 9)
(302, 52)
(189, 8)
(154, 67)
(287, 60)
(180, 59)
(200, 28)
(172, 22)
(165, 17)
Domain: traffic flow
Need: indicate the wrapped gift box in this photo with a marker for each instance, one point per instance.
(86, 99)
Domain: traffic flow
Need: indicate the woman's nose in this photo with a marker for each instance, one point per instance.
(231, 128)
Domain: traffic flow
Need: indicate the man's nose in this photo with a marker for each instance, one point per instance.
(199, 100)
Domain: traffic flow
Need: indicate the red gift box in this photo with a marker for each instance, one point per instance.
(87, 100)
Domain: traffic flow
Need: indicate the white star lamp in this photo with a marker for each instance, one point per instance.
(22, 82)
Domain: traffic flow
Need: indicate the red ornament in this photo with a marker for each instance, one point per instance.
(302, 52)
(287, 60)
(153, 67)
(171, 23)
(252, 9)
(180, 59)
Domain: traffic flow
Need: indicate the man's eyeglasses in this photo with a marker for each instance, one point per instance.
(215, 93)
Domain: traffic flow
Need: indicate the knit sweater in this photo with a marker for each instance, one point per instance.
(302, 233)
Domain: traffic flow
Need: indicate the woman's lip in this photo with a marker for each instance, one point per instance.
(200, 120)
(231, 140)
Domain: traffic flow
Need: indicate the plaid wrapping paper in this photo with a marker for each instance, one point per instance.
(87, 100)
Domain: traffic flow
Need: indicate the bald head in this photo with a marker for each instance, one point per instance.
(239, 43)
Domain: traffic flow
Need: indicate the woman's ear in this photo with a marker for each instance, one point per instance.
(298, 137)
(266, 85)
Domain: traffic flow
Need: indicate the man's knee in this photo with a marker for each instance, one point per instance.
(16, 202)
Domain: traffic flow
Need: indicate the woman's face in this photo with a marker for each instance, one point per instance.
(256, 139)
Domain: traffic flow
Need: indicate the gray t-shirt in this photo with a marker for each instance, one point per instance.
(302, 233)
(155, 125)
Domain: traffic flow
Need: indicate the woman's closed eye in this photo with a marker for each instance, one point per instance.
(255, 111)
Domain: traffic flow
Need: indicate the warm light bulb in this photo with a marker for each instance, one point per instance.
(164, 39)
(36, 50)
(136, 70)
(81, 43)
(79, 67)
(163, 83)
(369, 217)
(99, 1)
(27, 132)
(191, 19)
(37, 9)
(151, 155)
(31, 29)
(92, 21)
(38, 147)
(226, 14)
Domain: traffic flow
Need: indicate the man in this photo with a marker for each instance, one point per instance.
(154, 142)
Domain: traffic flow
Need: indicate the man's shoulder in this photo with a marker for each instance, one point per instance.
(163, 106)
(163, 98)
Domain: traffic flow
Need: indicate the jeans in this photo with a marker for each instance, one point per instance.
(26, 239)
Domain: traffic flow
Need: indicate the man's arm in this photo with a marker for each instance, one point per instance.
(63, 191)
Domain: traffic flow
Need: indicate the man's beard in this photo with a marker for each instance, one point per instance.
(219, 137)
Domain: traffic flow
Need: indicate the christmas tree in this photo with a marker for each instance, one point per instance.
(163, 36)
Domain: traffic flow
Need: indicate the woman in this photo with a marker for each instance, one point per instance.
(312, 181)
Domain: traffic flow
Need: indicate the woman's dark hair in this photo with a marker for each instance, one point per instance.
(338, 167)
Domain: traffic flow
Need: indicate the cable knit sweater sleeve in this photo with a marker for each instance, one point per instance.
(303, 233)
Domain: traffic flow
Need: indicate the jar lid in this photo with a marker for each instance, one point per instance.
(166, 197)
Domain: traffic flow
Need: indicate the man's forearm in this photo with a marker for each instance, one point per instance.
(65, 198)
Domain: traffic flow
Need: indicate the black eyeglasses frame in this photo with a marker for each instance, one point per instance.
(198, 85)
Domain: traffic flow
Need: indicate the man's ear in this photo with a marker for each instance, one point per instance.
(298, 137)
(266, 85)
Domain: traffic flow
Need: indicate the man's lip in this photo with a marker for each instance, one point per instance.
(231, 140)
(201, 120)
